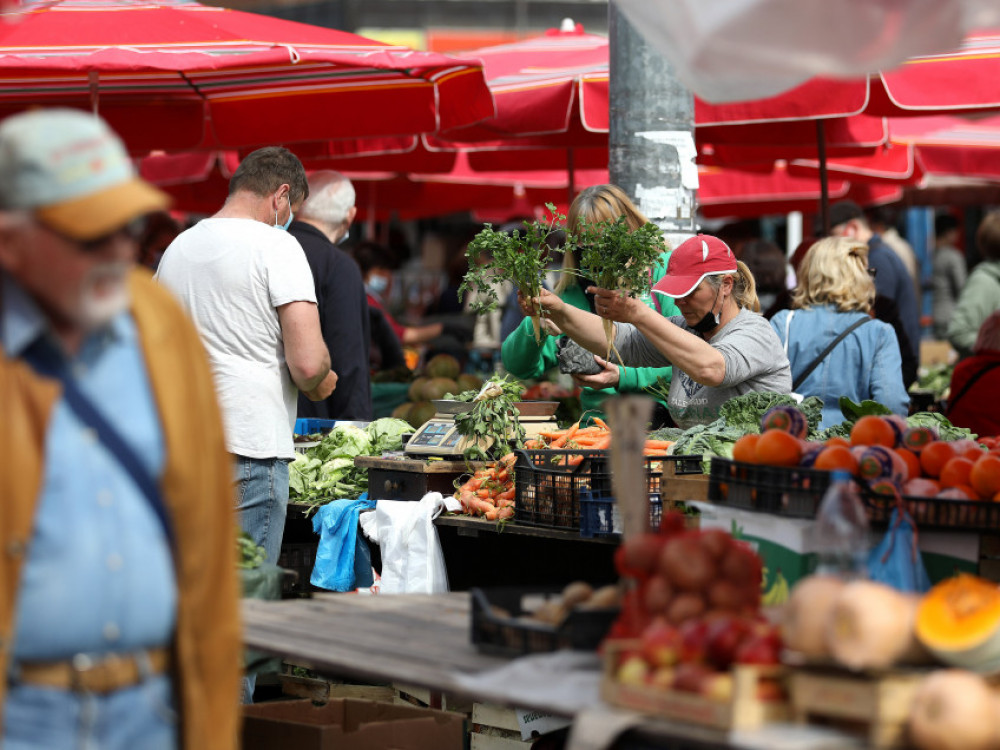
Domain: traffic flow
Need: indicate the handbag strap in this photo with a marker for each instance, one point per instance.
(822, 355)
(43, 358)
(971, 382)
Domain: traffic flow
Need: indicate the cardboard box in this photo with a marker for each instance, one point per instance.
(349, 724)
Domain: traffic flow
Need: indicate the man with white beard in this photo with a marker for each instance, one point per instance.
(119, 620)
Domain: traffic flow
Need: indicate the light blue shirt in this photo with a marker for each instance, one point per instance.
(99, 575)
(866, 364)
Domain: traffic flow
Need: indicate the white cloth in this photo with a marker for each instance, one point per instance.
(231, 275)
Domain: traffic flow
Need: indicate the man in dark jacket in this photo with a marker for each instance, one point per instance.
(319, 226)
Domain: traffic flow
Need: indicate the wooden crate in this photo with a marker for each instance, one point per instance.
(878, 703)
(743, 711)
(681, 487)
(495, 728)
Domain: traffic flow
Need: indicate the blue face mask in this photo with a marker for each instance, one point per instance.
(291, 215)
(377, 284)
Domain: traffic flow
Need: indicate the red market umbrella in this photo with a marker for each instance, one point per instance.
(178, 75)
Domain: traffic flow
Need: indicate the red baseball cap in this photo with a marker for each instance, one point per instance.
(693, 260)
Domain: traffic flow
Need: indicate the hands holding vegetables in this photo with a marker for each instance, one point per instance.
(608, 377)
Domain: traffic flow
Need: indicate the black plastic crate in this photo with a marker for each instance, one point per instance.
(298, 558)
(548, 484)
(937, 513)
(599, 515)
(786, 491)
(499, 627)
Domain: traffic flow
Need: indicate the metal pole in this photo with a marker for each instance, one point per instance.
(824, 188)
(652, 147)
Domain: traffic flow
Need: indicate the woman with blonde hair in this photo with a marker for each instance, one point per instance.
(834, 345)
(719, 345)
(525, 358)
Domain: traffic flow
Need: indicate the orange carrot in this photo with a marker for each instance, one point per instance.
(601, 423)
(659, 443)
(561, 441)
(505, 512)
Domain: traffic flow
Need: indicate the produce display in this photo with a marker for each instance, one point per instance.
(489, 492)
(326, 471)
(693, 612)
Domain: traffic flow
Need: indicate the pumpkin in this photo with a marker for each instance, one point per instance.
(871, 627)
(958, 621)
(953, 710)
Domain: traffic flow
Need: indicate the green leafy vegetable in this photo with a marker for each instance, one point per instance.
(945, 429)
(616, 257)
(853, 412)
(386, 434)
(493, 420)
(250, 555)
(520, 256)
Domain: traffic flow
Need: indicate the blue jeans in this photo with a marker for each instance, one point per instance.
(261, 505)
(262, 501)
(137, 718)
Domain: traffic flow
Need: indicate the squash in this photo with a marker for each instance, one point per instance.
(953, 709)
(871, 627)
(959, 622)
(805, 615)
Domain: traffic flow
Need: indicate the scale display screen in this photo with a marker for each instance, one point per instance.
(434, 434)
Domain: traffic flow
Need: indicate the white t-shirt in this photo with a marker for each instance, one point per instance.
(230, 275)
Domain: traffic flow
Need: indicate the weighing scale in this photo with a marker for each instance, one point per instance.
(439, 435)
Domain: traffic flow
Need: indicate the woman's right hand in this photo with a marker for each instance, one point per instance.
(545, 300)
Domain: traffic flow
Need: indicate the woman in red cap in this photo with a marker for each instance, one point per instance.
(720, 346)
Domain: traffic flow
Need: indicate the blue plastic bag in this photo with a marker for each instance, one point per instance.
(896, 561)
(337, 525)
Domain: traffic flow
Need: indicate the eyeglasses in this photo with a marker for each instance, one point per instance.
(130, 231)
(872, 272)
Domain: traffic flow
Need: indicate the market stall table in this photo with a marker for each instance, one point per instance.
(423, 640)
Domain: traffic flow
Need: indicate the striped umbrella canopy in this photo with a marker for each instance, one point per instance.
(178, 75)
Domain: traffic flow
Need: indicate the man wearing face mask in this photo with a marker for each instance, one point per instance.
(119, 623)
(720, 346)
(320, 226)
(246, 283)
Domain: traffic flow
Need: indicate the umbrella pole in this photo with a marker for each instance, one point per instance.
(571, 175)
(94, 79)
(824, 188)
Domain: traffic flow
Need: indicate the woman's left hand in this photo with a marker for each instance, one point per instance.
(614, 305)
(608, 377)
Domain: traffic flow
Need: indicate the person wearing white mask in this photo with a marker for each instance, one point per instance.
(247, 285)
(323, 223)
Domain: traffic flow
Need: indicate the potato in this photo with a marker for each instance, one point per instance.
(576, 593)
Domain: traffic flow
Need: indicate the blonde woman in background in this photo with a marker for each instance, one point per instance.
(833, 300)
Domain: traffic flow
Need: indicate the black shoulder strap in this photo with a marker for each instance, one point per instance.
(822, 355)
(46, 362)
(971, 382)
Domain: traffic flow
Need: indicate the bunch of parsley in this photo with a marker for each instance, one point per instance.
(522, 256)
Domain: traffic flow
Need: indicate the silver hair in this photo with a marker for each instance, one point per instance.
(331, 196)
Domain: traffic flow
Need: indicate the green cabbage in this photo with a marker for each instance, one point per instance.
(386, 434)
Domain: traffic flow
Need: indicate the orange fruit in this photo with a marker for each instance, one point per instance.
(873, 430)
(985, 476)
(934, 456)
(778, 448)
(912, 462)
(745, 449)
(842, 441)
(955, 472)
(836, 457)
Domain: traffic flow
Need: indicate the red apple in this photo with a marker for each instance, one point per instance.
(759, 649)
(718, 686)
(694, 640)
(661, 644)
(690, 677)
(725, 635)
(633, 670)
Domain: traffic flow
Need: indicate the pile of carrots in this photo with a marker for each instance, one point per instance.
(490, 491)
(593, 438)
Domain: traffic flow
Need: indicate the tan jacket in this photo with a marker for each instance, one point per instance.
(197, 487)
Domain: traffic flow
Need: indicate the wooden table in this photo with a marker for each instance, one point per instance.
(423, 640)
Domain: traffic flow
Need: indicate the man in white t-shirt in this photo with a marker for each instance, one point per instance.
(246, 283)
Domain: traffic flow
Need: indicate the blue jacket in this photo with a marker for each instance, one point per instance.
(892, 280)
(865, 365)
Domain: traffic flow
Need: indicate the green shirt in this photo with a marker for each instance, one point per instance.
(526, 359)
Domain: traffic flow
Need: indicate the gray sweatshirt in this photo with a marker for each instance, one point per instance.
(755, 361)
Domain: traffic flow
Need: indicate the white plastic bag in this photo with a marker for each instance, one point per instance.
(412, 561)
